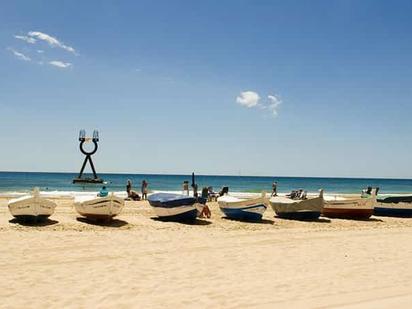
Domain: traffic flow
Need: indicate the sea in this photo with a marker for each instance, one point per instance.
(18, 183)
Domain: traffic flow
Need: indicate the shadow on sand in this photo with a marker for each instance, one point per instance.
(107, 223)
(33, 222)
(262, 221)
(318, 220)
(189, 222)
(358, 219)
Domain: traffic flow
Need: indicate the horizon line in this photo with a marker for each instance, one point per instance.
(213, 175)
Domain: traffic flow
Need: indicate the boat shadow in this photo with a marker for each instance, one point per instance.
(189, 222)
(367, 219)
(28, 222)
(262, 221)
(359, 219)
(317, 220)
(112, 223)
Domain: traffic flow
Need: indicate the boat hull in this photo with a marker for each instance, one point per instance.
(242, 209)
(31, 208)
(300, 215)
(305, 210)
(362, 208)
(99, 208)
(176, 207)
(343, 213)
(401, 210)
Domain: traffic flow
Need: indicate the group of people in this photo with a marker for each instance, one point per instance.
(133, 195)
(298, 194)
(207, 192)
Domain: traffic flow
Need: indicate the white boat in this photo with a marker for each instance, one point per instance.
(297, 209)
(99, 208)
(243, 208)
(31, 207)
(350, 208)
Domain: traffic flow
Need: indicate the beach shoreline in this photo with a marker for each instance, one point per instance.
(123, 194)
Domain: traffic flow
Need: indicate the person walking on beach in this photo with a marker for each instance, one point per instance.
(186, 188)
(275, 188)
(144, 189)
(130, 193)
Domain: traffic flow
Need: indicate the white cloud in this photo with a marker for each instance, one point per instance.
(40, 51)
(274, 103)
(19, 55)
(251, 99)
(248, 99)
(52, 41)
(60, 64)
(26, 39)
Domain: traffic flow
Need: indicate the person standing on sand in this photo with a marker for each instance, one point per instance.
(144, 189)
(274, 189)
(195, 194)
(186, 188)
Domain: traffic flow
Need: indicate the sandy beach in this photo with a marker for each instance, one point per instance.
(138, 261)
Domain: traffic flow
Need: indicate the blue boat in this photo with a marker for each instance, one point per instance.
(242, 209)
(176, 207)
(394, 206)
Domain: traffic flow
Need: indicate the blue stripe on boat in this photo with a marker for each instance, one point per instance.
(243, 213)
(393, 212)
(188, 216)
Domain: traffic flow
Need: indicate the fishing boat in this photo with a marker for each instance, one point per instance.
(297, 209)
(99, 208)
(31, 207)
(176, 207)
(243, 208)
(350, 208)
(179, 207)
(394, 206)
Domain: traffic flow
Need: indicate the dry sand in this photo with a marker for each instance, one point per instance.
(140, 262)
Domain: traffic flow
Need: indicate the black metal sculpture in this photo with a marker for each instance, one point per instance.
(83, 139)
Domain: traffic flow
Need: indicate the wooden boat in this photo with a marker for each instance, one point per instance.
(394, 206)
(357, 208)
(176, 207)
(297, 209)
(243, 208)
(99, 208)
(31, 207)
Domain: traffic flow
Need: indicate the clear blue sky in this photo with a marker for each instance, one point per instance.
(163, 82)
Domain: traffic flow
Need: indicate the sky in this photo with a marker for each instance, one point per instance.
(274, 88)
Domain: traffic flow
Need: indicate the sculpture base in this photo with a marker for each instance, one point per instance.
(88, 180)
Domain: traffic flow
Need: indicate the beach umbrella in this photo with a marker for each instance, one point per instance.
(193, 180)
